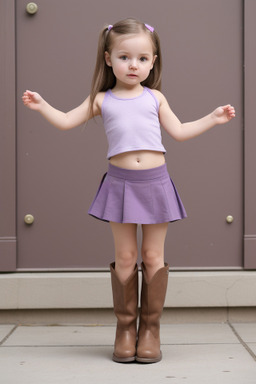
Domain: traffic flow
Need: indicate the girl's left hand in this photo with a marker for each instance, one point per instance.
(224, 114)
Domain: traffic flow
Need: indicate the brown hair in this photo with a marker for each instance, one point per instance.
(104, 78)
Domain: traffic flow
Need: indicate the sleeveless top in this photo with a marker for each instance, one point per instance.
(132, 124)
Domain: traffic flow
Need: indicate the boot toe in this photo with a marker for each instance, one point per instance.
(123, 359)
(124, 355)
(148, 357)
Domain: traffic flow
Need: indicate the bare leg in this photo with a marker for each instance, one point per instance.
(126, 252)
(152, 251)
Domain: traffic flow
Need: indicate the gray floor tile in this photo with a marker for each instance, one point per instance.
(247, 331)
(191, 364)
(211, 364)
(61, 336)
(72, 335)
(197, 334)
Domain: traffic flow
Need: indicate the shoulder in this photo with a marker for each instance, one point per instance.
(159, 96)
(98, 102)
(99, 98)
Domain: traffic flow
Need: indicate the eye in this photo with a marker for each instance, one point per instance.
(123, 57)
(143, 59)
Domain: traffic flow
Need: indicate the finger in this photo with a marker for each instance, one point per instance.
(225, 107)
(231, 113)
(231, 110)
(26, 95)
(25, 98)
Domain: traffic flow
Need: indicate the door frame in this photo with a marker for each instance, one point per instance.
(8, 186)
(249, 135)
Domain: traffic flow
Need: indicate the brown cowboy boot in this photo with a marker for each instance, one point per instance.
(152, 301)
(125, 298)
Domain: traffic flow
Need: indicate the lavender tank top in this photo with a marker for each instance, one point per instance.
(132, 124)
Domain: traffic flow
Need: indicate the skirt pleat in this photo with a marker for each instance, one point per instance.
(137, 196)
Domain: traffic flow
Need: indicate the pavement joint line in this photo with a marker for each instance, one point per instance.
(244, 344)
(103, 345)
(58, 346)
(8, 335)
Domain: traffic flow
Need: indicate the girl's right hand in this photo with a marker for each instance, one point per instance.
(61, 120)
(32, 100)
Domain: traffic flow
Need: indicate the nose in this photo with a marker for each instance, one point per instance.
(133, 64)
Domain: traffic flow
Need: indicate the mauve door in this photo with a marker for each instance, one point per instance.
(59, 172)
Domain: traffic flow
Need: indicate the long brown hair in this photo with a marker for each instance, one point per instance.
(104, 78)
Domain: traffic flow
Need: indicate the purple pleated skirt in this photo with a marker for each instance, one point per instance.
(137, 196)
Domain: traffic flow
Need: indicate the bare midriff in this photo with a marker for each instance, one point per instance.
(138, 160)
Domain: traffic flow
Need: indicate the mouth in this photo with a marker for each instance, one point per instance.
(132, 76)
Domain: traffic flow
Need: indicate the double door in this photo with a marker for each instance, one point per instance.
(58, 172)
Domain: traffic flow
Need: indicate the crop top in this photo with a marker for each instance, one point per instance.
(132, 124)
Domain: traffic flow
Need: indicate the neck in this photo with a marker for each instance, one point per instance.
(133, 90)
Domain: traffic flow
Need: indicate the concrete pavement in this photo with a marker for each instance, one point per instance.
(192, 354)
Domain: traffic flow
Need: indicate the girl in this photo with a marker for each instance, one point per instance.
(137, 188)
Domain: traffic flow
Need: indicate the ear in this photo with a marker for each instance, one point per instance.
(107, 59)
(153, 61)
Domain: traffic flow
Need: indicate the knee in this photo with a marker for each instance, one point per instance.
(127, 258)
(151, 257)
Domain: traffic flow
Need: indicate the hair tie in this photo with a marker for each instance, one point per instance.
(151, 29)
(110, 27)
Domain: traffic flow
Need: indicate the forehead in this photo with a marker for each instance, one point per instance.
(135, 42)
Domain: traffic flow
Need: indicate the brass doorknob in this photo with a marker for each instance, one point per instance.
(229, 219)
(31, 8)
(29, 219)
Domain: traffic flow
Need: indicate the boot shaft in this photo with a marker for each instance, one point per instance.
(152, 301)
(125, 299)
(125, 295)
(153, 295)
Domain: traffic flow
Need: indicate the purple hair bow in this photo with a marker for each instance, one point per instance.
(151, 29)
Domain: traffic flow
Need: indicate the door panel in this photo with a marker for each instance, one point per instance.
(208, 169)
(59, 172)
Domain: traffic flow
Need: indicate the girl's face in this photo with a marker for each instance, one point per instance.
(131, 59)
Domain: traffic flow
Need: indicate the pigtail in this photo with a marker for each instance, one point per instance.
(103, 77)
(154, 80)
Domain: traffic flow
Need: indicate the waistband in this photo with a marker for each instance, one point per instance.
(138, 174)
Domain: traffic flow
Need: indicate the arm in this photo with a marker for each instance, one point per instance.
(186, 131)
(60, 120)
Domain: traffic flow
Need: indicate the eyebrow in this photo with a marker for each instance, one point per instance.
(127, 52)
